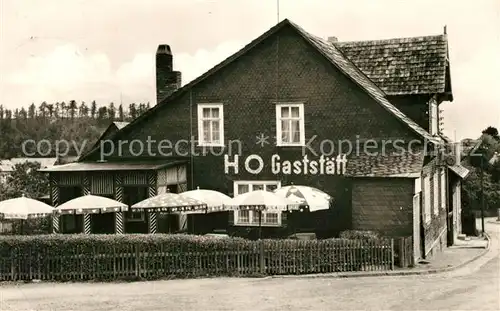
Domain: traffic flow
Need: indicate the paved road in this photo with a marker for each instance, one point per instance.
(475, 287)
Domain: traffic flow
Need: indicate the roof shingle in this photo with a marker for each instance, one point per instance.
(404, 65)
(396, 164)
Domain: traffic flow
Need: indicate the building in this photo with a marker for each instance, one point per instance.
(6, 168)
(110, 131)
(7, 165)
(270, 115)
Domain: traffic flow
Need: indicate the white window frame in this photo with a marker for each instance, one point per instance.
(435, 193)
(443, 188)
(279, 132)
(254, 215)
(433, 118)
(427, 199)
(201, 141)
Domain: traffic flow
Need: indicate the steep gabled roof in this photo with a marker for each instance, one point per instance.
(328, 50)
(332, 53)
(110, 131)
(403, 66)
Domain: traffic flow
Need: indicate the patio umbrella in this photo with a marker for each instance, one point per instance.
(169, 202)
(261, 200)
(90, 204)
(213, 199)
(24, 208)
(314, 198)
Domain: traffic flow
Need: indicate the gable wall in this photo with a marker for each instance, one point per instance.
(414, 106)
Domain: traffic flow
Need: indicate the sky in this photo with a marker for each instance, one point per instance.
(103, 50)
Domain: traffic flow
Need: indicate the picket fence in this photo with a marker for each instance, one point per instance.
(277, 257)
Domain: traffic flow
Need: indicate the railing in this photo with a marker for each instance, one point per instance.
(146, 261)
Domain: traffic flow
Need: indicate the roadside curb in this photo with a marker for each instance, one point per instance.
(391, 273)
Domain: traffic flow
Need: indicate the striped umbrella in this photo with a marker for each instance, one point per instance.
(314, 198)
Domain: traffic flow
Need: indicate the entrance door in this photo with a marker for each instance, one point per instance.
(416, 227)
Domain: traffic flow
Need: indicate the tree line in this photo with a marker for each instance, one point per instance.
(72, 110)
(77, 123)
(488, 148)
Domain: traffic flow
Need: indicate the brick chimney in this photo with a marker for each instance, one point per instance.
(167, 80)
(332, 39)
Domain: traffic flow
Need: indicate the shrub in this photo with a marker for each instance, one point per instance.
(32, 226)
(359, 235)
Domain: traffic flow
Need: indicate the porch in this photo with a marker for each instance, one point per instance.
(126, 182)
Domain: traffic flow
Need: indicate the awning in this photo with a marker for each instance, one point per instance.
(460, 170)
(113, 166)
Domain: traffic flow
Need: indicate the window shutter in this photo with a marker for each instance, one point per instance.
(230, 218)
(284, 219)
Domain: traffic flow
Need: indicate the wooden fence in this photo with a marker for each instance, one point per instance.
(267, 257)
(403, 252)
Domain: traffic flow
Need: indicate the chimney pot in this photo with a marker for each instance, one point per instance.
(164, 49)
(332, 39)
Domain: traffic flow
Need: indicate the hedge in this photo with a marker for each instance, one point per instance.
(111, 257)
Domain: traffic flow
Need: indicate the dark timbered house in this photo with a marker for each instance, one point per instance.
(276, 113)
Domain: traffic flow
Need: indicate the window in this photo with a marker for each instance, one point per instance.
(435, 193)
(427, 199)
(249, 217)
(290, 125)
(443, 188)
(433, 118)
(272, 218)
(244, 217)
(210, 125)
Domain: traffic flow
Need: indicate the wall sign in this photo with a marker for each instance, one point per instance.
(254, 164)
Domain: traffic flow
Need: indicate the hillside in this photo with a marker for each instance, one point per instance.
(63, 129)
